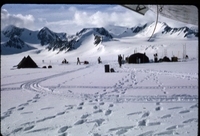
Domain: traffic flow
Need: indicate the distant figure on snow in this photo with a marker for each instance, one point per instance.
(78, 61)
(99, 60)
(120, 60)
(155, 57)
(64, 61)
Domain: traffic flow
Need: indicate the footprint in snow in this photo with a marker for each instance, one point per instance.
(135, 113)
(111, 105)
(95, 107)
(142, 123)
(39, 130)
(166, 116)
(157, 108)
(85, 116)
(157, 103)
(146, 114)
(153, 123)
(79, 108)
(29, 100)
(69, 107)
(101, 103)
(97, 121)
(46, 118)
(96, 134)
(36, 97)
(29, 128)
(184, 111)
(121, 130)
(5, 116)
(12, 108)
(17, 130)
(168, 132)
(174, 108)
(63, 134)
(8, 113)
(23, 104)
(191, 120)
(108, 112)
(28, 123)
(174, 127)
(34, 101)
(60, 113)
(148, 133)
(63, 129)
(194, 106)
(79, 122)
(47, 108)
(81, 104)
(70, 91)
(19, 109)
(29, 112)
(98, 111)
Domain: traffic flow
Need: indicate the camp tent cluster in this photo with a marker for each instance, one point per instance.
(27, 62)
(142, 58)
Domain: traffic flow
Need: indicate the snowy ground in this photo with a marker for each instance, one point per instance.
(153, 99)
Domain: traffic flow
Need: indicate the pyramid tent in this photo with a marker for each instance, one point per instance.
(138, 58)
(27, 62)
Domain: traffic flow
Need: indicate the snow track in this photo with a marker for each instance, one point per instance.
(34, 85)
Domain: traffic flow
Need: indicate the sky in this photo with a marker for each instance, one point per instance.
(71, 18)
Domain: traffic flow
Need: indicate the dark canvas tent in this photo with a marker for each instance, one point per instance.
(138, 58)
(27, 62)
(165, 59)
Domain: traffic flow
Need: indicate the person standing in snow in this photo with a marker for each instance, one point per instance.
(78, 61)
(156, 57)
(99, 60)
(120, 60)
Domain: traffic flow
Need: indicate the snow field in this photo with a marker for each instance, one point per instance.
(80, 100)
(153, 99)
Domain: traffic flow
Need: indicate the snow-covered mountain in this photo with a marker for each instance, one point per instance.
(19, 38)
(46, 36)
(119, 31)
(146, 30)
(49, 39)
(24, 34)
(187, 32)
(99, 35)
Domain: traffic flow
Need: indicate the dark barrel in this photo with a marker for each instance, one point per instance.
(107, 69)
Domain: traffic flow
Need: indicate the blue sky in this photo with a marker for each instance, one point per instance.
(71, 18)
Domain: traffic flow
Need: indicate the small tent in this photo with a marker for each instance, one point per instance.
(27, 62)
(165, 59)
(138, 58)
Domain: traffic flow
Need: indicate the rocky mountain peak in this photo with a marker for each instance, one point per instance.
(12, 30)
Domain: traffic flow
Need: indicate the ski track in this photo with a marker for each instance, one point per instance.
(34, 85)
(99, 99)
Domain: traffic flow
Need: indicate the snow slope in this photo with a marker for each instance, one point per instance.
(61, 42)
(152, 99)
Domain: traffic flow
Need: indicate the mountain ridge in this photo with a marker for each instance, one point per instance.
(63, 42)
